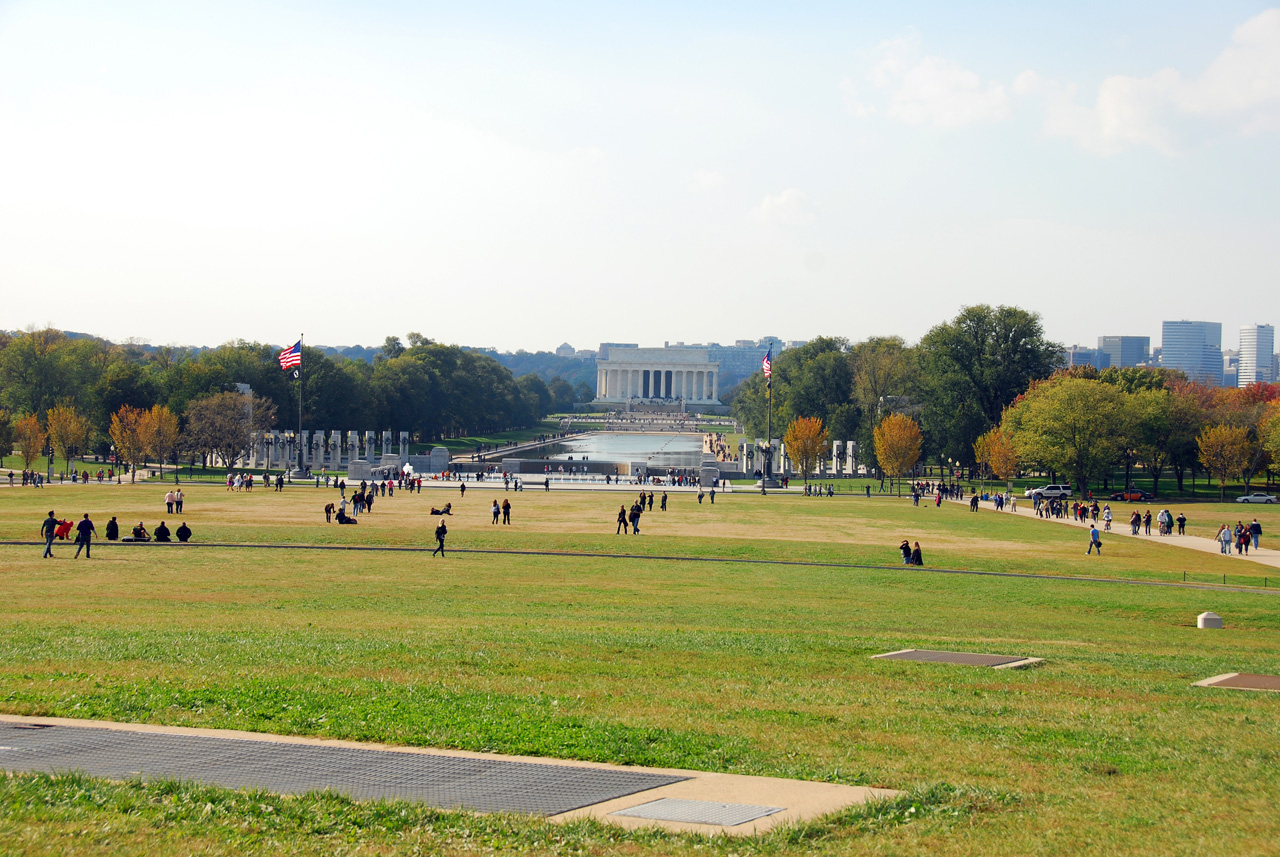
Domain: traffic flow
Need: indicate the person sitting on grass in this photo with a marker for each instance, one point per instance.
(140, 534)
(183, 532)
(162, 533)
(916, 557)
(344, 518)
(447, 510)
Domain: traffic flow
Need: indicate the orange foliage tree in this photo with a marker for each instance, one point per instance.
(130, 433)
(897, 443)
(30, 437)
(1224, 451)
(807, 444)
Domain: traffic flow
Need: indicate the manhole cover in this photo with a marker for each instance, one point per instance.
(970, 659)
(1243, 681)
(699, 811)
(448, 782)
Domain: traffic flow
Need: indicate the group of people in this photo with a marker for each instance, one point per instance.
(911, 554)
(52, 528)
(1242, 536)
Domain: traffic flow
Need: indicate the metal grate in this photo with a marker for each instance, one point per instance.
(1247, 681)
(972, 659)
(447, 782)
(699, 811)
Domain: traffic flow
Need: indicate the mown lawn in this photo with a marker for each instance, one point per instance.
(748, 668)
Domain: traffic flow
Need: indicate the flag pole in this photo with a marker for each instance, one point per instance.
(300, 453)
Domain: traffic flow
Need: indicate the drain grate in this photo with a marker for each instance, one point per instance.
(969, 659)
(447, 782)
(1243, 681)
(699, 811)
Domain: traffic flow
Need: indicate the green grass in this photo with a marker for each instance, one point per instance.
(756, 669)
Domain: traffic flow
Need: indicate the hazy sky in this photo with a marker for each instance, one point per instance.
(500, 174)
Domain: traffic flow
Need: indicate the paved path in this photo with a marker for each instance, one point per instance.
(559, 790)
(1120, 527)
(1213, 587)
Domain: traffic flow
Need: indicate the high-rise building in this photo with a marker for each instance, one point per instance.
(1195, 347)
(1230, 368)
(1079, 355)
(1126, 351)
(1257, 354)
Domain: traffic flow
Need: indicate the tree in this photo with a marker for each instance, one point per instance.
(6, 434)
(129, 432)
(897, 443)
(1070, 425)
(30, 437)
(807, 444)
(996, 453)
(69, 432)
(1224, 450)
(1270, 430)
(975, 366)
(162, 435)
(220, 426)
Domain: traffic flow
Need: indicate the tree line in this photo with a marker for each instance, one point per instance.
(988, 391)
(79, 393)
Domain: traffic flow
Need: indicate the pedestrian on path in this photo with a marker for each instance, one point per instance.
(1255, 530)
(84, 533)
(1224, 539)
(1106, 518)
(1182, 524)
(48, 529)
(1146, 522)
(1095, 541)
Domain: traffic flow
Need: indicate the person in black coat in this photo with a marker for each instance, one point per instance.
(916, 557)
(183, 532)
(161, 533)
(441, 532)
(113, 529)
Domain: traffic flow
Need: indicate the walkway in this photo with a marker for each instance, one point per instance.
(1120, 527)
(693, 801)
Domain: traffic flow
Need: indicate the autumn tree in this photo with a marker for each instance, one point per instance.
(1224, 451)
(996, 453)
(30, 437)
(897, 443)
(220, 426)
(1270, 430)
(130, 433)
(807, 444)
(69, 432)
(162, 435)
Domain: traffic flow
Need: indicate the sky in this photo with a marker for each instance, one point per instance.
(496, 174)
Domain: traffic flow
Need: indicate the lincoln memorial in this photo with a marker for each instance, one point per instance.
(685, 374)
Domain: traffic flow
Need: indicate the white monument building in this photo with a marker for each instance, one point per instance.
(628, 373)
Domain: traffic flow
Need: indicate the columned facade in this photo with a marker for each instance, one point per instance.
(657, 374)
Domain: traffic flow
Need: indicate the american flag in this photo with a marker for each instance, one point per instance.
(767, 365)
(291, 357)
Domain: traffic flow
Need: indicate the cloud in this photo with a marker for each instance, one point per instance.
(1240, 89)
(789, 208)
(928, 90)
(853, 101)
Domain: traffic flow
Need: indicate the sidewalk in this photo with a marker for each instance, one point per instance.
(1120, 527)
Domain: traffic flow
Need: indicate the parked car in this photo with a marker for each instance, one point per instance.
(1133, 495)
(1257, 497)
(1050, 492)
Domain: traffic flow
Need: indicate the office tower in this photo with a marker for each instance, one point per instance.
(1257, 354)
(1079, 355)
(1195, 347)
(1126, 351)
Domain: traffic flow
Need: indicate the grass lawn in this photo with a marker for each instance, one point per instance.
(719, 665)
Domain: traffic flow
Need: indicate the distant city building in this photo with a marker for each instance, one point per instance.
(1079, 355)
(1194, 347)
(1230, 368)
(566, 350)
(1257, 354)
(1125, 351)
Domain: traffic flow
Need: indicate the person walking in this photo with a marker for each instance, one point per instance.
(169, 500)
(634, 517)
(905, 548)
(1146, 523)
(48, 529)
(1095, 540)
(664, 501)
(506, 511)
(441, 532)
(622, 521)
(1182, 523)
(84, 533)
(1255, 531)
(177, 501)
(1224, 539)
(1135, 521)
(496, 511)
(917, 558)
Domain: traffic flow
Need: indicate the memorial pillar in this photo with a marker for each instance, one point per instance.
(715, 385)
